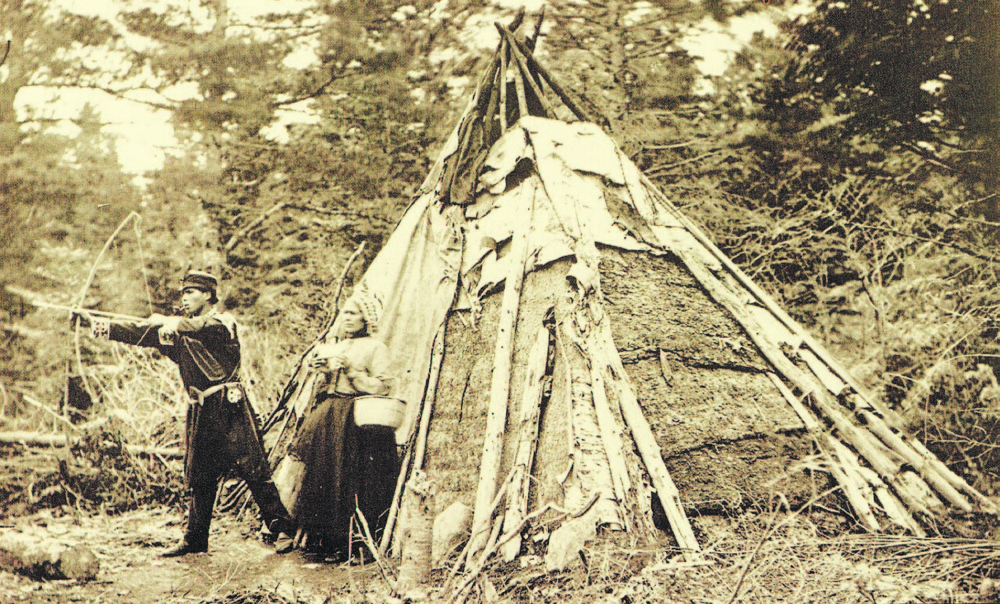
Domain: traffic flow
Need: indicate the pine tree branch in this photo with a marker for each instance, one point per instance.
(931, 158)
(658, 170)
(119, 94)
(315, 93)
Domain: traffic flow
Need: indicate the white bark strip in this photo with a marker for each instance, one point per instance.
(496, 418)
(610, 434)
(531, 399)
(592, 468)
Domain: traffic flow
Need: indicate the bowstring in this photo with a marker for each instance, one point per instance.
(136, 220)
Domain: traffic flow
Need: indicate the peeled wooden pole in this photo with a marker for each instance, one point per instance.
(430, 394)
(522, 102)
(475, 113)
(847, 480)
(856, 484)
(936, 474)
(878, 424)
(518, 489)
(416, 453)
(467, 554)
(553, 84)
(415, 566)
(667, 492)
(876, 455)
(503, 86)
(489, 116)
(851, 483)
(525, 72)
(891, 504)
(390, 523)
(442, 172)
(496, 418)
(929, 473)
(649, 450)
(954, 479)
(808, 419)
(822, 399)
(891, 417)
(759, 294)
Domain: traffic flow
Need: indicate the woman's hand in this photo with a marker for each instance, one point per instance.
(318, 362)
(338, 361)
(328, 364)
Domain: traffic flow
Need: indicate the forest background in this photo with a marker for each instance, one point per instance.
(844, 154)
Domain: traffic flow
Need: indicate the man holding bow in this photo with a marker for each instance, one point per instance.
(221, 433)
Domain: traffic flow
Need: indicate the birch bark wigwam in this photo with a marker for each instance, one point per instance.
(669, 382)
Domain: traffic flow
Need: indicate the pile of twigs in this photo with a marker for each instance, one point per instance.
(938, 558)
(97, 472)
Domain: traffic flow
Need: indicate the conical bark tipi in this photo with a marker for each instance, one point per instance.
(565, 336)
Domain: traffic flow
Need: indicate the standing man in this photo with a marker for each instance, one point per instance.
(221, 432)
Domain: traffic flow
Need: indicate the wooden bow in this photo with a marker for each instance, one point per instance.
(77, 308)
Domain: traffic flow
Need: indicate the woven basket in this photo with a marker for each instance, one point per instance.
(379, 411)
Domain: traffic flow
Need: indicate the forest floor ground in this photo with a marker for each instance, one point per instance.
(760, 564)
(128, 547)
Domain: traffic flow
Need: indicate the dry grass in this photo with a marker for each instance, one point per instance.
(765, 558)
(142, 395)
(267, 365)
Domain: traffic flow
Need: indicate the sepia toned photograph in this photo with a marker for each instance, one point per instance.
(499, 301)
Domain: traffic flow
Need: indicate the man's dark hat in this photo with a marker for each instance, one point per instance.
(200, 280)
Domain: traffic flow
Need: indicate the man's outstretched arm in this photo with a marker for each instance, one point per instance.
(144, 333)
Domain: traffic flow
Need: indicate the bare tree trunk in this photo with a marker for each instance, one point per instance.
(221, 20)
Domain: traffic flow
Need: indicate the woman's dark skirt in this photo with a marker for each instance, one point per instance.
(346, 468)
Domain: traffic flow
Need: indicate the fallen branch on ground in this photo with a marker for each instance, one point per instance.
(43, 439)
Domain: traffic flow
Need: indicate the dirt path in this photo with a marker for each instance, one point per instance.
(132, 573)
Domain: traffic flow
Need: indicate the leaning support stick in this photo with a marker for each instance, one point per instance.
(553, 84)
(525, 71)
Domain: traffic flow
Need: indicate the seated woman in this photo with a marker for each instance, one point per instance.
(345, 466)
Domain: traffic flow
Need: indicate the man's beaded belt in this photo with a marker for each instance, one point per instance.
(234, 392)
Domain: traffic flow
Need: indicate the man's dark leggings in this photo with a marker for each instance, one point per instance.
(272, 512)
